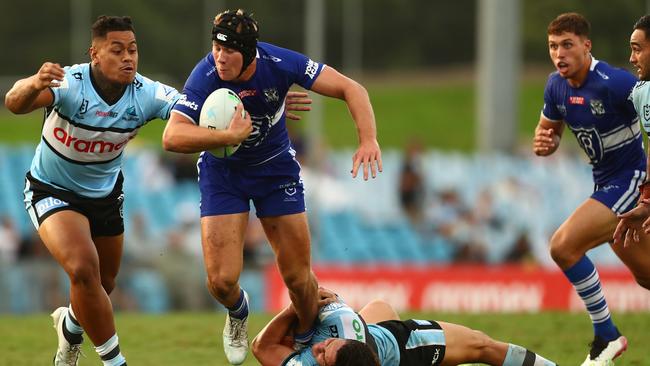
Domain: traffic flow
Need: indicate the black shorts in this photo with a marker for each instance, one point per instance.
(104, 214)
(421, 342)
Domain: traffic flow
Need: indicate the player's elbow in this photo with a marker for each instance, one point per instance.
(13, 105)
(170, 140)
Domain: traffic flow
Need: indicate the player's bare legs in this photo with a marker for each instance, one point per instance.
(66, 234)
(591, 224)
(109, 250)
(378, 311)
(290, 239)
(463, 344)
(223, 243)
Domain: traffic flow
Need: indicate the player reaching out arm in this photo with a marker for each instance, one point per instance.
(73, 190)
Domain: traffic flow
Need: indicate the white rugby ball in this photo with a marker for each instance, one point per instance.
(216, 113)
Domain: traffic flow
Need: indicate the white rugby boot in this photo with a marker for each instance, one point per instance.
(66, 354)
(235, 340)
(603, 353)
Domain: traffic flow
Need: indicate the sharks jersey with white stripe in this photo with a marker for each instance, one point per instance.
(641, 99)
(335, 320)
(601, 116)
(83, 137)
(263, 97)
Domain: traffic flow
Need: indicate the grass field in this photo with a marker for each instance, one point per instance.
(441, 116)
(195, 339)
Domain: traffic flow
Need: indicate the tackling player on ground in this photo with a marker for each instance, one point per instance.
(343, 338)
(263, 169)
(73, 190)
(592, 99)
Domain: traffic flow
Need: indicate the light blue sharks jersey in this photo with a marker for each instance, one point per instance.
(641, 99)
(387, 347)
(83, 137)
(335, 320)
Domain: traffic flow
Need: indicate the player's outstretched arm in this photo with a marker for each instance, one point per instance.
(547, 137)
(31, 93)
(271, 346)
(183, 136)
(331, 83)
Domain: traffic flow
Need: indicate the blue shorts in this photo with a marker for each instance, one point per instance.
(274, 186)
(620, 193)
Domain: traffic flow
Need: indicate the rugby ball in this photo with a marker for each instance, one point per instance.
(216, 113)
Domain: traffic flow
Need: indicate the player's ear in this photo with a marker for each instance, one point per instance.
(588, 44)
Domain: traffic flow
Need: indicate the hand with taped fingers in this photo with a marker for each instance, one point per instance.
(368, 157)
(296, 101)
(49, 75)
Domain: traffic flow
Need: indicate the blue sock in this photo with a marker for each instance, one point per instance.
(584, 277)
(240, 309)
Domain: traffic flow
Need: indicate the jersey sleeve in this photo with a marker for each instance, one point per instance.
(622, 87)
(550, 111)
(193, 96)
(62, 91)
(165, 99)
(303, 69)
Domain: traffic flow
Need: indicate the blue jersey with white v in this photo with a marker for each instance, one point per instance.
(602, 117)
(83, 136)
(263, 97)
(335, 320)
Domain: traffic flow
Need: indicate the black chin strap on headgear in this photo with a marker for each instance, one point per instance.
(245, 41)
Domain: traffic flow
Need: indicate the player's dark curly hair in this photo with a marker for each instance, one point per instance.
(643, 24)
(355, 353)
(110, 23)
(570, 22)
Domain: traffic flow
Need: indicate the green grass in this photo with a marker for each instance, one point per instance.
(195, 338)
(440, 116)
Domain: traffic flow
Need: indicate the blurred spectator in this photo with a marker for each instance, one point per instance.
(411, 183)
(521, 251)
(182, 166)
(9, 240)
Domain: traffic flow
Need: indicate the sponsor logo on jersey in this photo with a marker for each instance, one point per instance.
(312, 68)
(272, 58)
(597, 107)
(609, 187)
(247, 93)
(87, 146)
(137, 84)
(189, 104)
(576, 100)
(646, 112)
(131, 114)
(47, 204)
(561, 108)
(83, 108)
(77, 75)
(602, 75)
(106, 114)
(294, 362)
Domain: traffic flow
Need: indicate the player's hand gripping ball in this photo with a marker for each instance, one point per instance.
(217, 112)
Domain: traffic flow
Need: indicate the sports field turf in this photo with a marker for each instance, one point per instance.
(195, 339)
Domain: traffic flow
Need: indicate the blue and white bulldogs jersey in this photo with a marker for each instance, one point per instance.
(83, 137)
(263, 97)
(335, 320)
(601, 116)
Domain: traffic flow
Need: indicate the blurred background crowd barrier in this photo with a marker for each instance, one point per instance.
(458, 221)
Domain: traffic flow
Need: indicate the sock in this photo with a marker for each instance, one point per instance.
(584, 277)
(110, 353)
(240, 309)
(72, 331)
(304, 338)
(519, 356)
